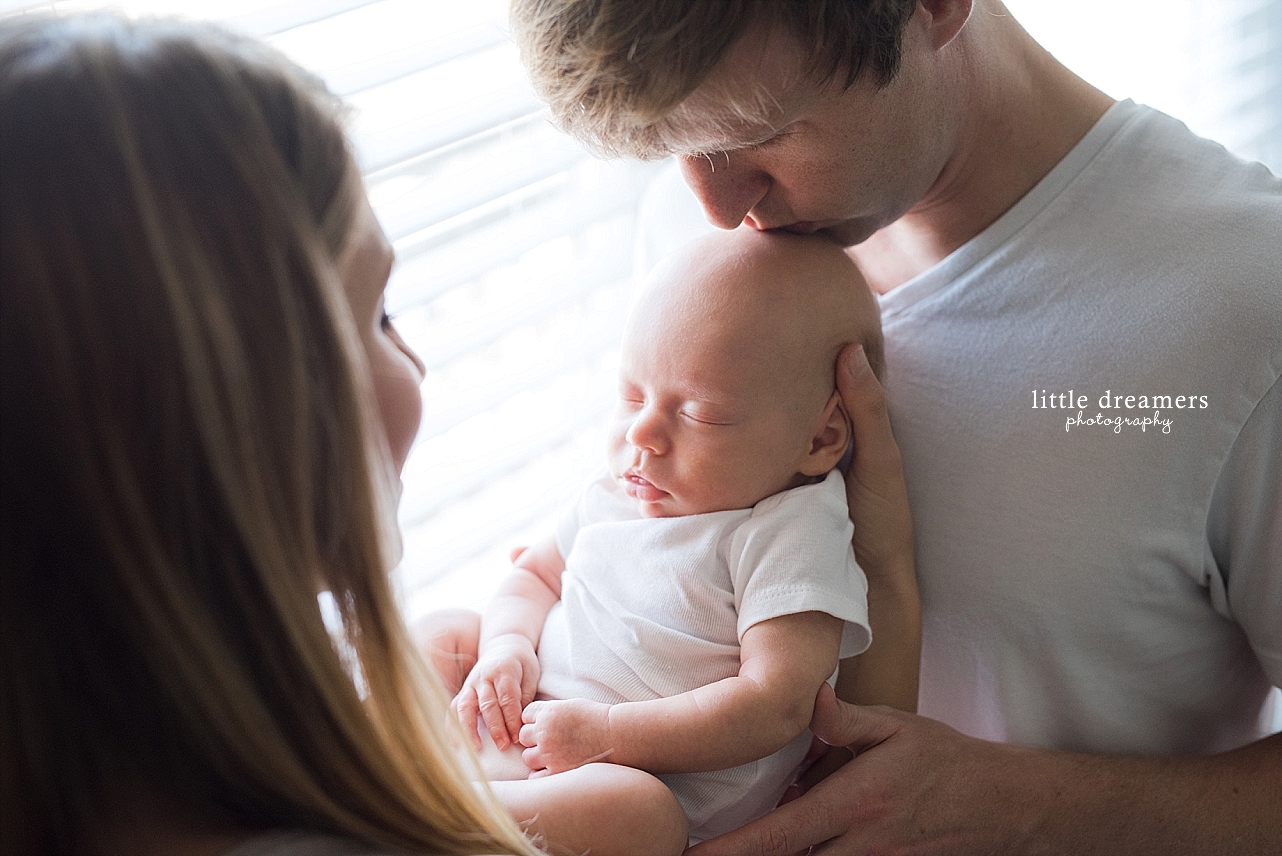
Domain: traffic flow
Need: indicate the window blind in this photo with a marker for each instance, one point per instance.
(1215, 64)
(513, 270)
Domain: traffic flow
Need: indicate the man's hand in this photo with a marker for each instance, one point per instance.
(563, 735)
(903, 792)
(918, 786)
(883, 540)
(498, 688)
(875, 488)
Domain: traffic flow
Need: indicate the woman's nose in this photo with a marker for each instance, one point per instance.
(647, 432)
(726, 186)
(415, 359)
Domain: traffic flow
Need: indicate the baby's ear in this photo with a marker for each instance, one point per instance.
(829, 439)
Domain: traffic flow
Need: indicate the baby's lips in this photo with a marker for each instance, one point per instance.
(638, 487)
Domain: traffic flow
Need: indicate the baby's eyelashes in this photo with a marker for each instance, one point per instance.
(703, 418)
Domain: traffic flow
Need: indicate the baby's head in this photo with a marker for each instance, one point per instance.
(727, 387)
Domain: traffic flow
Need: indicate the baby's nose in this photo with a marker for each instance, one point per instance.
(647, 432)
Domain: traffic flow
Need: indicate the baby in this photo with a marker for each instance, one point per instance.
(694, 600)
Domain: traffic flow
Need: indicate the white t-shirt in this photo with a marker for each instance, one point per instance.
(651, 608)
(1096, 586)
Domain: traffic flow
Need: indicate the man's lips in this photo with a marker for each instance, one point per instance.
(637, 487)
(799, 227)
(804, 227)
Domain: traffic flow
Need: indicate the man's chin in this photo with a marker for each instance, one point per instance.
(848, 233)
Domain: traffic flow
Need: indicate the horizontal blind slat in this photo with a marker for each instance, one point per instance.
(495, 244)
(280, 17)
(382, 150)
(452, 195)
(489, 395)
(359, 77)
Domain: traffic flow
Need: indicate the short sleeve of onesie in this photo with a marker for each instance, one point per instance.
(794, 554)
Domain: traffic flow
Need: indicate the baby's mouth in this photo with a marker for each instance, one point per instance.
(638, 487)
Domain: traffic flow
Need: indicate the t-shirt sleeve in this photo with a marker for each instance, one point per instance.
(794, 555)
(1244, 533)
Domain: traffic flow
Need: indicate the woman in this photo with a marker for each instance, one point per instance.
(205, 410)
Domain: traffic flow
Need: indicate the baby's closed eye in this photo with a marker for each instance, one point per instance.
(704, 417)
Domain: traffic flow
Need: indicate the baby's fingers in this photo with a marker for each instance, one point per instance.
(492, 713)
(509, 695)
(465, 707)
(537, 764)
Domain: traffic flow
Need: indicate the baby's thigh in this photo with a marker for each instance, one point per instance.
(448, 639)
(601, 808)
(500, 765)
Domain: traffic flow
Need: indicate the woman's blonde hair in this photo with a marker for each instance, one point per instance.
(190, 453)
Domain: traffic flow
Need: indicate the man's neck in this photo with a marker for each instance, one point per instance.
(1024, 112)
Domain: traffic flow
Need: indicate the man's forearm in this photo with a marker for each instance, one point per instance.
(887, 673)
(916, 785)
(1221, 804)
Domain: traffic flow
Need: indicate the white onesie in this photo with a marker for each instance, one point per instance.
(653, 607)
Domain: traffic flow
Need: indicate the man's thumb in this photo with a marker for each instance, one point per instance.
(840, 724)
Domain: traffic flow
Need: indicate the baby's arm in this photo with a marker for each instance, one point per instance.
(783, 661)
(506, 673)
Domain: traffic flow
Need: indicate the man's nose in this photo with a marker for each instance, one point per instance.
(726, 187)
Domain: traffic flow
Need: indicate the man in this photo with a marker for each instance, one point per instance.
(1083, 312)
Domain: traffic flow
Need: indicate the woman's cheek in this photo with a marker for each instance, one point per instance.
(396, 389)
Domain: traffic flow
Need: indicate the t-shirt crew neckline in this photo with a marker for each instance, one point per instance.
(960, 260)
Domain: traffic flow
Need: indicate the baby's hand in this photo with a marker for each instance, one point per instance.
(498, 688)
(562, 735)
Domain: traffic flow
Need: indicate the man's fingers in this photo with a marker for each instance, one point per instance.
(840, 724)
(865, 403)
(792, 828)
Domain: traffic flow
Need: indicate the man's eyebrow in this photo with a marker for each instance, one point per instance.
(727, 144)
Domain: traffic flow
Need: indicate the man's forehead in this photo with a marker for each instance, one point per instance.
(756, 90)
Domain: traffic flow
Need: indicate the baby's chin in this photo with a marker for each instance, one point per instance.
(670, 506)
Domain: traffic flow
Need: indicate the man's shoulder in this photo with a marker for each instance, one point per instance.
(1158, 170)
(1173, 218)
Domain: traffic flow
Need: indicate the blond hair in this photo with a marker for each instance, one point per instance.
(614, 71)
(190, 454)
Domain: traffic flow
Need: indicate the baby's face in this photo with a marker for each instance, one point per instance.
(695, 429)
(725, 376)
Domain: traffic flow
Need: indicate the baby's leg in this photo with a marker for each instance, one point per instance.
(448, 639)
(602, 809)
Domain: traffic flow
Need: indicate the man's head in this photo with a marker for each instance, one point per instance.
(726, 387)
(805, 115)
